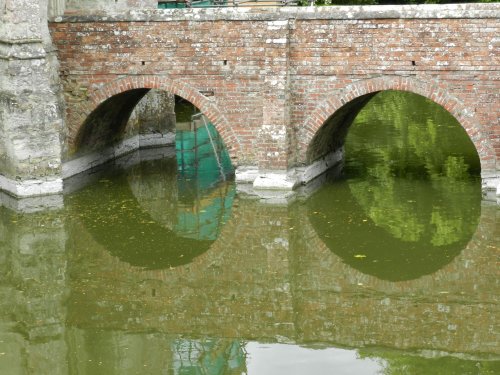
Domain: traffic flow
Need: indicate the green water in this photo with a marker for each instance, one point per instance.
(156, 267)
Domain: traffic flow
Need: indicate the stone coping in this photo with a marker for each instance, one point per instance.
(421, 11)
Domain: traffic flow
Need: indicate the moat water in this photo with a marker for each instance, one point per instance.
(157, 264)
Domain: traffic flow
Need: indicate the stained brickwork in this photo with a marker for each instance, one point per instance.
(278, 75)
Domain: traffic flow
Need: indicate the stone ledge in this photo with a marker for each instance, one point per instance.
(321, 165)
(491, 182)
(31, 188)
(422, 11)
(76, 166)
(290, 179)
(28, 50)
(275, 180)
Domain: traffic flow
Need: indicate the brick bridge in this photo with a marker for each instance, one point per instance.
(281, 85)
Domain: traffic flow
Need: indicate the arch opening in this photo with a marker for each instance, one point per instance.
(419, 122)
(105, 126)
(410, 137)
(410, 189)
(145, 118)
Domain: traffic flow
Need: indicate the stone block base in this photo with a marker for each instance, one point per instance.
(92, 160)
(31, 188)
(287, 180)
(491, 181)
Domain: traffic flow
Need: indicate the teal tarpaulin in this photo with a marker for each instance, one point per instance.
(207, 201)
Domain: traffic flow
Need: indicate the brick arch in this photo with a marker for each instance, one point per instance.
(182, 89)
(438, 93)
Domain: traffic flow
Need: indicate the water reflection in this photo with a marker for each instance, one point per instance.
(396, 232)
(118, 352)
(143, 215)
(70, 306)
(412, 195)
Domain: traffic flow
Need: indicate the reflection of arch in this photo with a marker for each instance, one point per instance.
(356, 92)
(149, 246)
(396, 258)
(130, 232)
(139, 85)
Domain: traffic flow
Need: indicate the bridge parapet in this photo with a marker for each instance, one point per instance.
(372, 12)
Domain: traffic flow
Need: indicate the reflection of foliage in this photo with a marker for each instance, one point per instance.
(395, 363)
(412, 229)
(391, 227)
(404, 135)
(413, 197)
(413, 210)
(447, 229)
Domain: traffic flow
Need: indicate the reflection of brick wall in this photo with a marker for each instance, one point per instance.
(267, 277)
(276, 77)
(239, 287)
(447, 310)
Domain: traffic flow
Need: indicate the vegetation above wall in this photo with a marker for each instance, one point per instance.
(387, 2)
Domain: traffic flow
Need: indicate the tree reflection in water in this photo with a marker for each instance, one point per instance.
(412, 190)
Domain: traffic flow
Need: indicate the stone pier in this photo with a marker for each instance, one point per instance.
(31, 106)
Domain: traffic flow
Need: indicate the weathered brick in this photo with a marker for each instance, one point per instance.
(244, 57)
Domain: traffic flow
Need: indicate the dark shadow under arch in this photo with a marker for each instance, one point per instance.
(331, 136)
(105, 125)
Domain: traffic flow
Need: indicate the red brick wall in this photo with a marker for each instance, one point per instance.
(278, 76)
(454, 61)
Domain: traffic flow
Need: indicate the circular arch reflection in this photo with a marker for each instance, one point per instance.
(410, 201)
(142, 214)
(410, 234)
